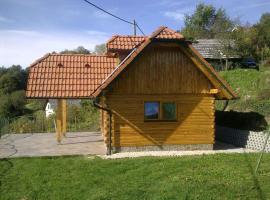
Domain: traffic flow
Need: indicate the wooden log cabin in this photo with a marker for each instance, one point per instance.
(154, 92)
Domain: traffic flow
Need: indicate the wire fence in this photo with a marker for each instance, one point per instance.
(26, 124)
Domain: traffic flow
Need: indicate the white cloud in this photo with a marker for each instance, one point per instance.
(171, 3)
(5, 20)
(174, 15)
(24, 47)
(178, 14)
(97, 33)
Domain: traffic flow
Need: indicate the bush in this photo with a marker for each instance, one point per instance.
(22, 125)
(83, 117)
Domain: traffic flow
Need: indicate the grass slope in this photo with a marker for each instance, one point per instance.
(253, 88)
(192, 177)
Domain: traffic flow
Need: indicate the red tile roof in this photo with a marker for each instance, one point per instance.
(129, 42)
(68, 75)
(124, 42)
(161, 34)
(82, 76)
(166, 33)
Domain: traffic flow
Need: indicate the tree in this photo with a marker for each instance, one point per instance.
(263, 28)
(13, 78)
(5, 106)
(18, 102)
(263, 36)
(254, 40)
(207, 22)
(78, 50)
(100, 49)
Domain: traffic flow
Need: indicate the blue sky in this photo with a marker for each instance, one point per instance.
(31, 28)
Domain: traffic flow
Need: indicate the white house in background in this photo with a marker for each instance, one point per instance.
(52, 105)
(49, 110)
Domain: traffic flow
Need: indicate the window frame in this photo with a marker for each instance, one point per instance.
(160, 111)
(172, 102)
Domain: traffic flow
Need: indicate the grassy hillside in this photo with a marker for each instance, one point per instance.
(253, 90)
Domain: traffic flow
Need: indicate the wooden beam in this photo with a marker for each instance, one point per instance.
(59, 121)
(64, 116)
(214, 91)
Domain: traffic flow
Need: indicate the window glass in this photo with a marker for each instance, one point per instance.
(169, 111)
(151, 110)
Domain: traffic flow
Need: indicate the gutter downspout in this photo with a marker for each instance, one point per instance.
(109, 111)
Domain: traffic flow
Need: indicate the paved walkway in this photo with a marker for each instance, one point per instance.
(88, 143)
(45, 144)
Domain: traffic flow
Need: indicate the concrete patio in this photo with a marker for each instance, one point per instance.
(86, 143)
(45, 144)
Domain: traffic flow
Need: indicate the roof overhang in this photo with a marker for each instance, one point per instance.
(225, 91)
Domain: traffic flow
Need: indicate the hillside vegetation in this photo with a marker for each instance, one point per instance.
(253, 90)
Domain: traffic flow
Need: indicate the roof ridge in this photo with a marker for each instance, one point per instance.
(131, 36)
(175, 32)
(112, 38)
(157, 32)
(40, 59)
(77, 54)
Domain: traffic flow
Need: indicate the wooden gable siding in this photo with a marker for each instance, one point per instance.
(165, 74)
(160, 70)
(194, 124)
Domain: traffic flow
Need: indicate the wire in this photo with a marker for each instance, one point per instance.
(139, 29)
(108, 12)
(124, 20)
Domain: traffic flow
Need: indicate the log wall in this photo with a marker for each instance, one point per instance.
(165, 74)
(194, 124)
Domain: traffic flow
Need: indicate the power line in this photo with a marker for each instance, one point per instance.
(134, 23)
(139, 29)
(108, 12)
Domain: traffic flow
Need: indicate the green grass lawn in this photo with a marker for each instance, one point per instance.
(192, 177)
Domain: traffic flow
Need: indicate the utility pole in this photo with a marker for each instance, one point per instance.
(134, 26)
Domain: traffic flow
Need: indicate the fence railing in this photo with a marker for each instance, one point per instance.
(26, 124)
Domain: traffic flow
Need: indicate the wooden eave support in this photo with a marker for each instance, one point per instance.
(61, 119)
(214, 91)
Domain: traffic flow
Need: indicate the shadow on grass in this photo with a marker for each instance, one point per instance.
(255, 180)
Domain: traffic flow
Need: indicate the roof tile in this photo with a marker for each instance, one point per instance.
(47, 80)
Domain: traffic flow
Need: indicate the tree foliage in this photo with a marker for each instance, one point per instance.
(207, 22)
(12, 94)
(78, 50)
(254, 40)
(100, 49)
(11, 79)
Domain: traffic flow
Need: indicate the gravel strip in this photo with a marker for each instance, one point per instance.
(173, 153)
